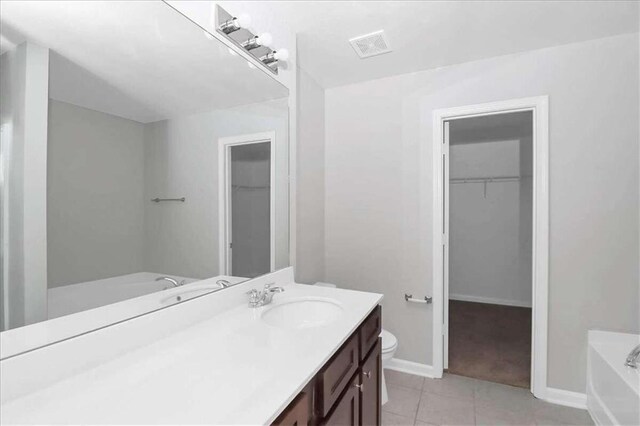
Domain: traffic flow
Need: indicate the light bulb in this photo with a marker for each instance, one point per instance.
(281, 55)
(244, 20)
(264, 39)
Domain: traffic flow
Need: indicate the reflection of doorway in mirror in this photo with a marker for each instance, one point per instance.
(247, 203)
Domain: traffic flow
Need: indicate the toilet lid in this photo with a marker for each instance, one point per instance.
(389, 341)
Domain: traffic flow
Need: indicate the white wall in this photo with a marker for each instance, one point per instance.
(310, 186)
(378, 196)
(95, 195)
(485, 233)
(24, 113)
(181, 160)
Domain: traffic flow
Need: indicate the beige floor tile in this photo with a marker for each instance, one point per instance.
(443, 410)
(402, 401)
(451, 385)
(390, 419)
(405, 380)
(503, 397)
(552, 414)
(494, 416)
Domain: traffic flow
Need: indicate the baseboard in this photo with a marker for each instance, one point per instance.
(411, 367)
(491, 300)
(565, 397)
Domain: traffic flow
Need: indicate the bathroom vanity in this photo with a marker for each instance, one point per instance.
(311, 356)
(347, 390)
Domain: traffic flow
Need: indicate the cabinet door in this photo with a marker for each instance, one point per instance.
(337, 374)
(370, 377)
(296, 414)
(346, 412)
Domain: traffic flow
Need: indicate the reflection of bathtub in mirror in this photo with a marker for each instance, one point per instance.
(70, 299)
(19, 340)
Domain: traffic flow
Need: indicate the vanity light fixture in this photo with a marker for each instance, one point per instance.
(258, 46)
(234, 24)
(257, 41)
(279, 55)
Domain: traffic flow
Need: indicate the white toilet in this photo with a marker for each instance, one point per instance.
(389, 346)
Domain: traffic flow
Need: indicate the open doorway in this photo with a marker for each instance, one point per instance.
(247, 205)
(534, 113)
(490, 247)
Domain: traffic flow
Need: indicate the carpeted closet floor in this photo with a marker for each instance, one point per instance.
(490, 342)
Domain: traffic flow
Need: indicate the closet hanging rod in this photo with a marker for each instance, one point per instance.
(249, 187)
(485, 179)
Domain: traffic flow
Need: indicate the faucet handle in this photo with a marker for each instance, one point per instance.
(269, 288)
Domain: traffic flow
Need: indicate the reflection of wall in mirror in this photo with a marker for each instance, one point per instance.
(184, 154)
(103, 170)
(23, 109)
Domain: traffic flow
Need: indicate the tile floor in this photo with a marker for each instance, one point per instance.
(457, 400)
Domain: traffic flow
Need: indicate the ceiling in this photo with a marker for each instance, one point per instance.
(431, 34)
(138, 60)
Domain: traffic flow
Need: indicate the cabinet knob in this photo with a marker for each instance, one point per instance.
(367, 374)
(361, 387)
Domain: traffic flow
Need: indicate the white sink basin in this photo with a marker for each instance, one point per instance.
(302, 313)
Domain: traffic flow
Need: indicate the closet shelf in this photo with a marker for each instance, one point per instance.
(487, 179)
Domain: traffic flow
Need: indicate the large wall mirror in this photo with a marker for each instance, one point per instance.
(142, 161)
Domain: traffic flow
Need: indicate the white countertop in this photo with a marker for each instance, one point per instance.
(230, 369)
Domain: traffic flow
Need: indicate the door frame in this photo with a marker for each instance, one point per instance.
(539, 106)
(225, 144)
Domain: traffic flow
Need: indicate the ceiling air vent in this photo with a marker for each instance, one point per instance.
(370, 44)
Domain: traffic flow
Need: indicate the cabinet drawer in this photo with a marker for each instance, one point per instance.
(336, 375)
(369, 331)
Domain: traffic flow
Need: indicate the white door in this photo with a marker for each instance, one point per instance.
(445, 242)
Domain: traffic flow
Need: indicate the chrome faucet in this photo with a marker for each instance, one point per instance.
(264, 297)
(633, 357)
(223, 283)
(173, 282)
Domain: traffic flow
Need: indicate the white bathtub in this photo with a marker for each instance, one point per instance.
(70, 299)
(613, 389)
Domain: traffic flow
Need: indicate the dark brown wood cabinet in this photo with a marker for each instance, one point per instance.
(297, 413)
(347, 409)
(347, 389)
(371, 390)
